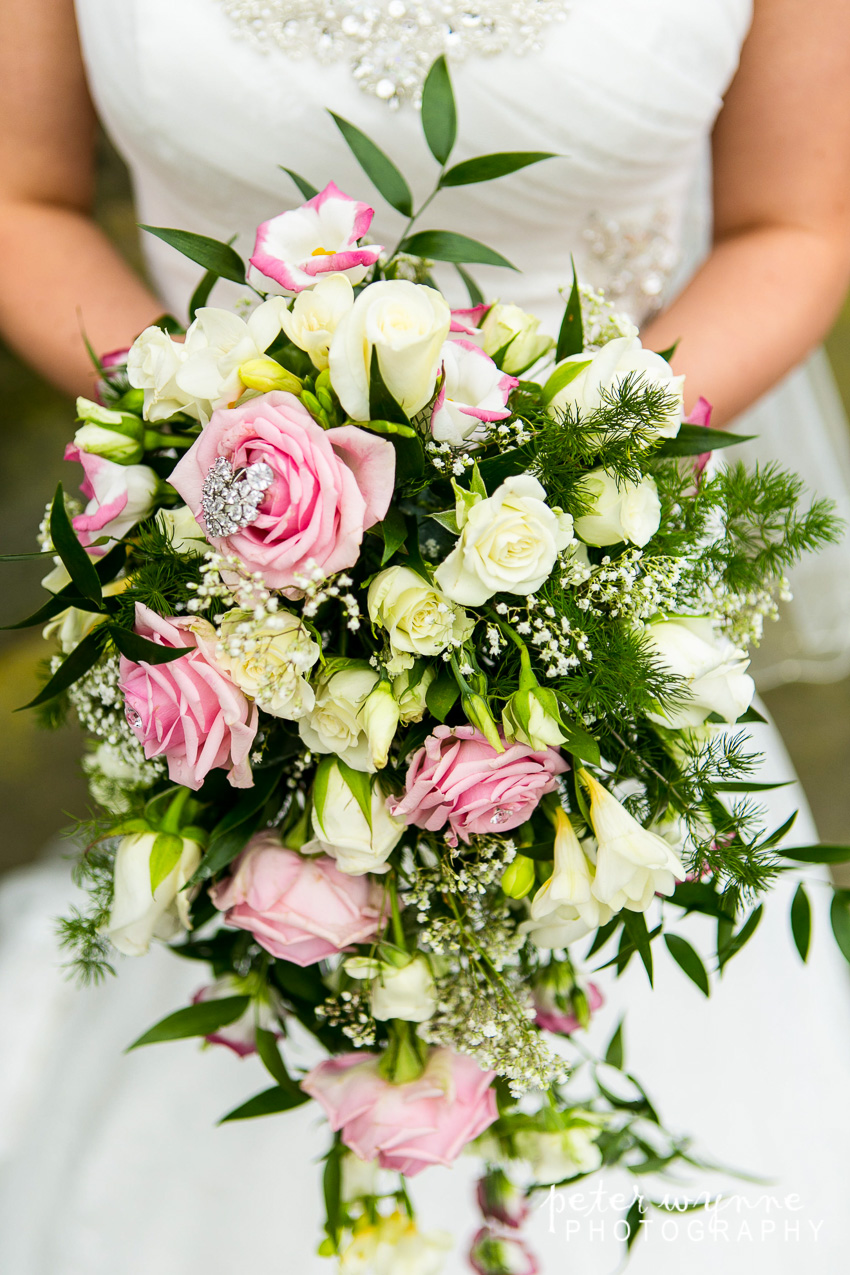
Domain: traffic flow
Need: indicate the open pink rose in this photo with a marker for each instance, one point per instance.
(460, 779)
(328, 487)
(118, 497)
(297, 247)
(188, 711)
(473, 392)
(409, 1126)
(299, 909)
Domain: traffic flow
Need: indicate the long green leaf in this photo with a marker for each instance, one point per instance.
(232, 833)
(72, 668)
(209, 253)
(58, 603)
(486, 168)
(377, 166)
(635, 927)
(693, 440)
(361, 787)
(270, 1057)
(201, 295)
(445, 245)
(268, 1103)
(817, 854)
(614, 1053)
(382, 405)
(141, 651)
(165, 855)
(476, 296)
(562, 376)
(394, 531)
(737, 941)
(689, 961)
(76, 561)
(801, 921)
(571, 335)
(439, 113)
(307, 190)
(202, 1019)
(332, 1191)
(442, 694)
(839, 915)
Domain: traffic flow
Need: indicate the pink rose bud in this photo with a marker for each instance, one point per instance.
(501, 1200)
(495, 1254)
(406, 1126)
(324, 488)
(188, 711)
(458, 778)
(301, 910)
(560, 1013)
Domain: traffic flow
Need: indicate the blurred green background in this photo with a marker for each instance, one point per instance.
(41, 785)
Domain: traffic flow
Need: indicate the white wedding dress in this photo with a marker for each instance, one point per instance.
(111, 1163)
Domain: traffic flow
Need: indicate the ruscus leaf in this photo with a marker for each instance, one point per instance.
(377, 166)
(72, 668)
(268, 1103)
(486, 168)
(76, 561)
(305, 188)
(209, 253)
(445, 245)
(689, 961)
(801, 921)
(140, 650)
(571, 334)
(439, 113)
(202, 1019)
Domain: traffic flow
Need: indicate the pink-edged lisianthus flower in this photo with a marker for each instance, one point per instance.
(467, 323)
(552, 1017)
(494, 1253)
(297, 247)
(118, 497)
(473, 391)
(299, 909)
(405, 1127)
(458, 778)
(188, 711)
(700, 415)
(328, 487)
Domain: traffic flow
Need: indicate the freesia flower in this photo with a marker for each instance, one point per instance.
(316, 314)
(714, 668)
(119, 496)
(626, 511)
(188, 711)
(609, 367)
(341, 828)
(299, 909)
(571, 876)
(405, 1126)
(632, 863)
(295, 249)
(139, 914)
(472, 393)
(566, 924)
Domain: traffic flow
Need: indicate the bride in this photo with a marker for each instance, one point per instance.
(112, 1163)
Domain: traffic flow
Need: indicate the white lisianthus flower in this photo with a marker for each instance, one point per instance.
(395, 1246)
(473, 393)
(406, 323)
(563, 1153)
(714, 668)
(342, 830)
(182, 530)
(630, 512)
(571, 877)
(632, 863)
(405, 992)
(268, 661)
(508, 325)
(334, 724)
(316, 314)
(418, 619)
(509, 543)
(411, 690)
(138, 914)
(153, 362)
(609, 367)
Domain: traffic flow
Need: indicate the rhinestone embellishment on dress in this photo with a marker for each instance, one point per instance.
(391, 44)
(231, 499)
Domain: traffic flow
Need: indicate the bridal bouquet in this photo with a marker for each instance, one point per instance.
(411, 642)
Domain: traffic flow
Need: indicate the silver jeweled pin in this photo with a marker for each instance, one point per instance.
(231, 498)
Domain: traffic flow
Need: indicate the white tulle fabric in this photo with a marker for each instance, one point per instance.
(111, 1163)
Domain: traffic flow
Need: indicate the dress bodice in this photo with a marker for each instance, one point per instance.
(624, 91)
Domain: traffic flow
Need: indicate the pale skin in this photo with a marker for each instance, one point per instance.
(769, 291)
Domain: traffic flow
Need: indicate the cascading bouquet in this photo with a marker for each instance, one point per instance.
(409, 639)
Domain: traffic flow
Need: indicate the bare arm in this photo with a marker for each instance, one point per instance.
(780, 264)
(58, 271)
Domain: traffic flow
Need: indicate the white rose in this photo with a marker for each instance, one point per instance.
(406, 323)
(714, 668)
(630, 512)
(609, 367)
(405, 992)
(506, 324)
(182, 530)
(633, 864)
(217, 344)
(509, 543)
(342, 830)
(153, 362)
(561, 1154)
(316, 314)
(335, 723)
(418, 619)
(411, 692)
(268, 661)
(138, 914)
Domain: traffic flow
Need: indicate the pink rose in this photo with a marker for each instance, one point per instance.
(188, 711)
(299, 909)
(118, 497)
(297, 247)
(409, 1126)
(460, 779)
(328, 486)
(473, 392)
(550, 1017)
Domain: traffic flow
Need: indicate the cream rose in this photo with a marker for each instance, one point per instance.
(398, 991)
(508, 325)
(316, 314)
(342, 830)
(268, 661)
(630, 512)
(411, 692)
(406, 324)
(336, 723)
(509, 543)
(714, 668)
(140, 914)
(418, 619)
(182, 530)
(621, 358)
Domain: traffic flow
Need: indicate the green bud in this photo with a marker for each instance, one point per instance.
(267, 374)
(478, 715)
(117, 436)
(313, 406)
(519, 877)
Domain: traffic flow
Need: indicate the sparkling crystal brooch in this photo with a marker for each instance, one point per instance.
(231, 498)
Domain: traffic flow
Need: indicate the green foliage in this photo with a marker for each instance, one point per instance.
(160, 577)
(80, 932)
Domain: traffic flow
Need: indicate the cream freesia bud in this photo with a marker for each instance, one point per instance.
(518, 877)
(359, 842)
(632, 863)
(478, 714)
(379, 718)
(316, 314)
(140, 913)
(267, 374)
(571, 879)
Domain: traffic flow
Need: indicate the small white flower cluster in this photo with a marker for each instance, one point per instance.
(562, 647)
(471, 873)
(319, 589)
(447, 459)
(632, 587)
(351, 1012)
(742, 616)
(99, 703)
(114, 770)
(601, 321)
